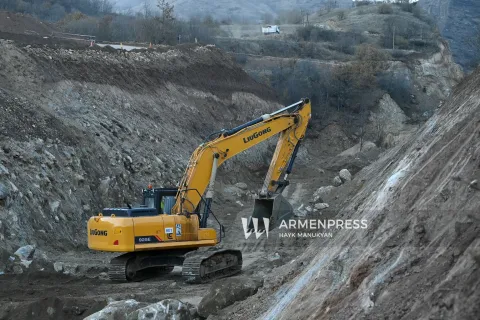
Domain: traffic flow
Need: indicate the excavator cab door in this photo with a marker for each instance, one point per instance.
(276, 209)
(162, 199)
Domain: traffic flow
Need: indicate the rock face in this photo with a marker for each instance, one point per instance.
(226, 292)
(389, 115)
(67, 151)
(387, 119)
(423, 223)
(458, 23)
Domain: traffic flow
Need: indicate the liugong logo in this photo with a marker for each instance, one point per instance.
(248, 230)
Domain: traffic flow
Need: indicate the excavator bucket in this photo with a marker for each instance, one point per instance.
(276, 209)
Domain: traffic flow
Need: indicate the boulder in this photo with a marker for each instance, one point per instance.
(22, 259)
(71, 268)
(322, 192)
(168, 309)
(116, 310)
(388, 116)
(58, 266)
(300, 211)
(345, 175)
(321, 206)
(17, 269)
(274, 257)
(25, 252)
(337, 181)
(242, 185)
(359, 147)
(226, 292)
(234, 191)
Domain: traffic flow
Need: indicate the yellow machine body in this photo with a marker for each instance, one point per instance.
(162, 232)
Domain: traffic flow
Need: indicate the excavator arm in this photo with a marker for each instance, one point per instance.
(290, 123)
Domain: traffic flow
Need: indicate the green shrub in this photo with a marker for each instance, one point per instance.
(385, 8)
(362, 3)
(407, 7)
(312, 33)
(341, 15)
(241, 58)
(401, 42)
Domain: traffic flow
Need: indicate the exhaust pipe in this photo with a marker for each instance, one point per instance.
(276, 209)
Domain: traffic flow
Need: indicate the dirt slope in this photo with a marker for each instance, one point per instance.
(84, 129)
(419, 257)
(19, 23)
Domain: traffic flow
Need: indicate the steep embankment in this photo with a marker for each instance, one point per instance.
(85, 129)
(459, 22)
(420, 256)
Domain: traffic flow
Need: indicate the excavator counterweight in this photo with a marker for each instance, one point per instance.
(171, 225)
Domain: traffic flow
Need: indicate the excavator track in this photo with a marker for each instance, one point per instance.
(206, 266)
(117, 270)
(124, 269)
(137, 266)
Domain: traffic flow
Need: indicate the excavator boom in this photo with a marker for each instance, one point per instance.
(290, 123)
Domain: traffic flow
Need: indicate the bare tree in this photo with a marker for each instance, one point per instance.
(267, 18)
(330, 4)
(166, 9)
(147, 10)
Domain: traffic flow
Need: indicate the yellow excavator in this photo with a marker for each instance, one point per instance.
(171, 225)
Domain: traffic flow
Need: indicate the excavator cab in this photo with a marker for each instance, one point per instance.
(162, 199)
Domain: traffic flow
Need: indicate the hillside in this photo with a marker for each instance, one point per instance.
(419, 257)
(393, 141)
(459, 23)
(248, 10)
(94, 127)
(345, 62)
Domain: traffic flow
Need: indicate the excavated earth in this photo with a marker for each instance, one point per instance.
(83, 129)
(86, 128)
(419, 258)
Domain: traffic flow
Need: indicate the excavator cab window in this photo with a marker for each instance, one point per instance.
(162, 199)
(149, 202)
